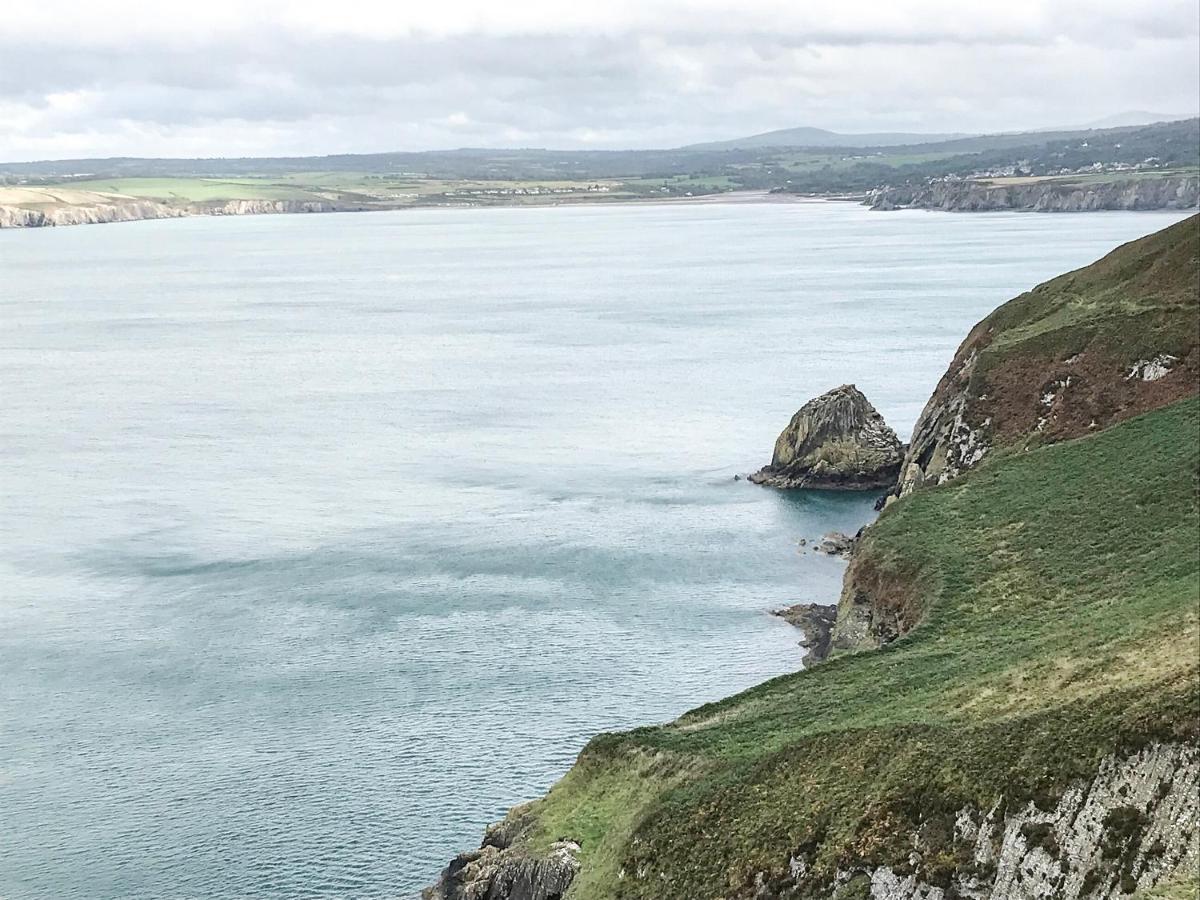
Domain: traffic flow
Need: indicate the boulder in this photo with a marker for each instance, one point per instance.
(837, 441)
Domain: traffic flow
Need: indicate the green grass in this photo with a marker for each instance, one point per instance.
(1061, 588)
(353, 188)
(193, 190)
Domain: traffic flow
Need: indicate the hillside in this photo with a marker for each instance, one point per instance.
(1026, 727)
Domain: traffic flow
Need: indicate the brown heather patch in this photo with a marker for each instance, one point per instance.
(1098, 395)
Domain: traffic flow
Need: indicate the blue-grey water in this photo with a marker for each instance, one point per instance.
(323, 540)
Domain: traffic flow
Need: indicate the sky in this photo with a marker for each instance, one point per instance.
(95, 78)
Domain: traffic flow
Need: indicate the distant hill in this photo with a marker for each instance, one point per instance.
(1135, 117)
(819, 137)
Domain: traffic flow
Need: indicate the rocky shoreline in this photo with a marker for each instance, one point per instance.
(1172, 192)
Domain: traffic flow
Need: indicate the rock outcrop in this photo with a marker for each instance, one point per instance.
(816, 621)
(499, 871)
(1072, 356)
(1136, 823)
(837, 441)
(1048, 195)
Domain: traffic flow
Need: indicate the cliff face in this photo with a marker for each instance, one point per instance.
(263, 207)
(837, 441)
(1173, 192)
(102, 208)
(1126, 829)
(126, 210)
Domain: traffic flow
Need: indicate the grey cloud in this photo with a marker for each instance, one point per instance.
(642, 89)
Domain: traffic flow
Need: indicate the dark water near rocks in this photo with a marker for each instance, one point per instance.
(326, 539)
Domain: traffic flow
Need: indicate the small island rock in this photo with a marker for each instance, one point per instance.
(837, 441)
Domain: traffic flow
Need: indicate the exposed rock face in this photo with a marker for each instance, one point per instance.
(1076, 354)
(1136, 823)
(878, 604)
(500, 871)
(264, 207)
(837, 441)
(115, 211)
(117, 208)
(1175, 192)
(816, 620)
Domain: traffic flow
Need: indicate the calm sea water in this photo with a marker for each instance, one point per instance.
(326, 539)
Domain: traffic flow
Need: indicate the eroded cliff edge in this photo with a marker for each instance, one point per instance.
(1042, 195)
(1026, 725)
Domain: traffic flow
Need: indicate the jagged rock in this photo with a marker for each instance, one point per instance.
(816, 620)
(837, 441)
(500, 870)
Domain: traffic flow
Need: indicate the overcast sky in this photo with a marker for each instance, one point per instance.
(85, 78)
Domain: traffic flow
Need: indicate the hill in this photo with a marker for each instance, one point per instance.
(1026, 724)
(819, 137)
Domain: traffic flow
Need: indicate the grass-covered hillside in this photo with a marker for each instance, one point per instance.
(1058, 591)
(1074, 355)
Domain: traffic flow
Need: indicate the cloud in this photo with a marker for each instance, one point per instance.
(238, 78)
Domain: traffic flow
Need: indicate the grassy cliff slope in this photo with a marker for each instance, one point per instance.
(1029, 733)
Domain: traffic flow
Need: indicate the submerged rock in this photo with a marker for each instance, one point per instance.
(836, 544)
(837, 441)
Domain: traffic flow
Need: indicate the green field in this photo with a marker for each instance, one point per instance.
(364, 189)
(194, 190)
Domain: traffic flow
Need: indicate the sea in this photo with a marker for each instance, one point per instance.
(325, 539)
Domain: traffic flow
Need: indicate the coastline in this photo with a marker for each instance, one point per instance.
(109, 209)
(103, 209)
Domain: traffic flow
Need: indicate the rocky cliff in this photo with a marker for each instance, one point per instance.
(1074, 355)
(1071, 357)
(837, 441)
(1125, 829)
(1043, 195)
(99, 211)
(1026, 725)
(498, 870)
(96, 209)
